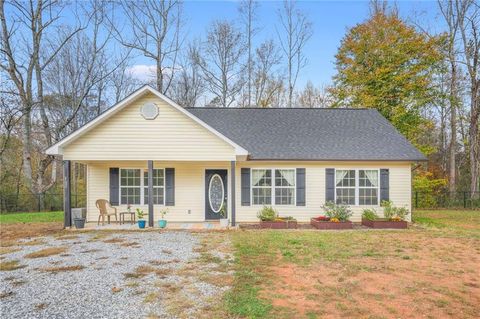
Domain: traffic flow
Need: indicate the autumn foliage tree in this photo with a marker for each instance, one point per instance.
(386, 64)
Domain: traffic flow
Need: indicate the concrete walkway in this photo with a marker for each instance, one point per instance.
(170, 226)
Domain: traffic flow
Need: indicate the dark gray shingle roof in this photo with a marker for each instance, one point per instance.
(311, 134)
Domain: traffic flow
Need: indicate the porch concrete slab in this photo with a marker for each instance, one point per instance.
(170, 226)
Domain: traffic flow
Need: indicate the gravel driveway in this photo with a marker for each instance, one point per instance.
(104, 275)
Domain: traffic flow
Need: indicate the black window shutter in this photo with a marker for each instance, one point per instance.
(300, 186)
(245, 181)
(114, 186)
(169, 186)
(329, 184)
(384, 185)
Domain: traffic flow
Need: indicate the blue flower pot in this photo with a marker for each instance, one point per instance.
(162, 223)
(141, 223)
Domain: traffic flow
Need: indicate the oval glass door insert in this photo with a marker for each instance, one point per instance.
(216, 193)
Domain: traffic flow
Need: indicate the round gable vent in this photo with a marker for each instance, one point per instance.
(149, 111)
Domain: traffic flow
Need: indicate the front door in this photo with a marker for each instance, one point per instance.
(215, 194)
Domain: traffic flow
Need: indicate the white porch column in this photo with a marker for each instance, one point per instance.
(67, 205)
(232, 191)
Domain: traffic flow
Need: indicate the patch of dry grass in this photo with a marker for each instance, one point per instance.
(132, 275)
(67, 237)
(6, 294)
(51, 251)
(132, 284)
(10, 265)
(35, 242)
(41, 306)
(164, 262)
(151, 297)
(62, 268)
(115, 240)
(170, 287)
(8, 250)
(12, 232)
(132, 244)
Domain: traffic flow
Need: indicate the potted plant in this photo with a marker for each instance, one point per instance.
(269, 219)
(336, 217)
(141, 221)
(162, 223)
(223, 213)
(394, 217)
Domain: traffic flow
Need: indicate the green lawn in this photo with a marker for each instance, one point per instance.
(377, 274)
(450, 219)
(36, 217)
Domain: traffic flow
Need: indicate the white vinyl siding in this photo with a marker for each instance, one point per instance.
(400, 188)
(189, 188)
(171, 136)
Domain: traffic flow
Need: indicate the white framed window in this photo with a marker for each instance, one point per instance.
(273, 186)
(134, 188)
(345, 186)
(368, 187)
(158, 186)
(285, 186)
(130, 186)
(261, 182)
(357, 186)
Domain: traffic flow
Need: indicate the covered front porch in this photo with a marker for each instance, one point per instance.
(194, 194)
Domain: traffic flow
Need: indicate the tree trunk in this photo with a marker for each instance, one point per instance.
(474, 140)
(27, 149)
(453, 130)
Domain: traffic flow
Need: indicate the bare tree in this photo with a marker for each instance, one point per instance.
(314, 97)
(468, 15)
(218, 60)
(189, 85)
(155, 28)
(27, 49)
(267, 81)
(247, 9)
(294, 32)
(77, 79)
(448, 13)
(10, 115)
(122, 82)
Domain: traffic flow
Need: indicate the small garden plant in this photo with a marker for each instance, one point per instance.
(163, 213)
(140, 214)
(393, 213)
(267, 214)
(223, 211)
(337, 212)
(370, 214)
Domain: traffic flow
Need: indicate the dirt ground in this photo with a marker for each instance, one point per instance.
(12, 232)
(439, 278)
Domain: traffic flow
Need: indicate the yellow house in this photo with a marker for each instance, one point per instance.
(206, 163)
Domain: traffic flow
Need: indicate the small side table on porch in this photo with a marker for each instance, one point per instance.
(122, 217)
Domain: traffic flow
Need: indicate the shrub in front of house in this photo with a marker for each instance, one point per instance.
(336, 217)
